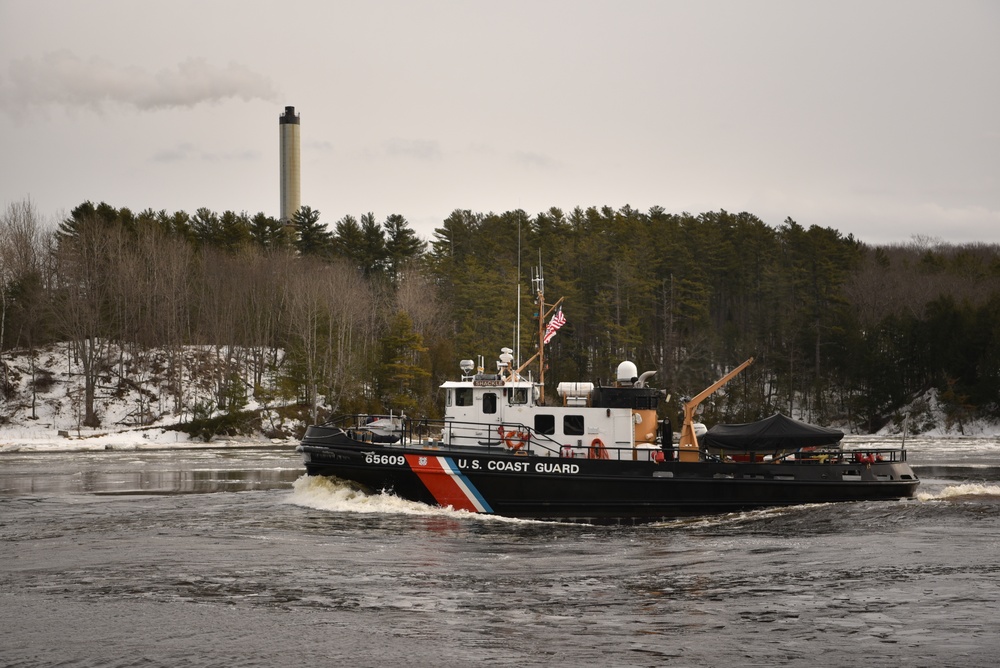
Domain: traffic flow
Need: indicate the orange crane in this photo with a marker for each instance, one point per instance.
(687, 447)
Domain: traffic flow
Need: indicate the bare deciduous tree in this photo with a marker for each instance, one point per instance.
(82, 304)
(23, 282)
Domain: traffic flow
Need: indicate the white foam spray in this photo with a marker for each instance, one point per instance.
(335, 495)
(961, 492)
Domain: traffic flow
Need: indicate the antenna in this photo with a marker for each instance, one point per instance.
(537, 280)
(539, 283)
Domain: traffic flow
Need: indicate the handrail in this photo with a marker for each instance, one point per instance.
(434, 431)
(448, 432)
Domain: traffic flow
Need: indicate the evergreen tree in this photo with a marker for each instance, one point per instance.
(206, 229)
(267, 232)
(83, 215)
(177, 224)
(348, 238)
(403, 372)
(370, 254)
(234, 231)
(401, 245)
(453, 240)
(313, 237)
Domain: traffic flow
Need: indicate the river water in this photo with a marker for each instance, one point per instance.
(221, 557)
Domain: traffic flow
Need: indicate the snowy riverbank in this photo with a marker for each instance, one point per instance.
(42, 407)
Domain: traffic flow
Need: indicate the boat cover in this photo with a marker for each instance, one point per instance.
(774, 433)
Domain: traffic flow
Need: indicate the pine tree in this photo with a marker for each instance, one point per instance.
(402, 245)
(403, 372)
(313, 237)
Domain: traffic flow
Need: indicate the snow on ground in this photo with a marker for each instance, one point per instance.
(926, 416)
(133, 415)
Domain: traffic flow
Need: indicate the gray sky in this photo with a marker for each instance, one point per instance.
(880, 119)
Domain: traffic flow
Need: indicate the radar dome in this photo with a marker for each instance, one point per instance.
(627, 372)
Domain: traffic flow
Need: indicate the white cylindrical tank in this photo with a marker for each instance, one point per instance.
(290, 159)
(574, 394)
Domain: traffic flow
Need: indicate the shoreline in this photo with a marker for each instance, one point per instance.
(147, 439)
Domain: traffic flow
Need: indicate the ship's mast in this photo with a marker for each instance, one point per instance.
(538, 283)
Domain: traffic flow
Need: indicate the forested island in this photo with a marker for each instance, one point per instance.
(362, 315)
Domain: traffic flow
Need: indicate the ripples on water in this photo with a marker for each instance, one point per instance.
(291, 569)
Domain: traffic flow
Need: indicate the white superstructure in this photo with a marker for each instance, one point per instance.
(488, 409)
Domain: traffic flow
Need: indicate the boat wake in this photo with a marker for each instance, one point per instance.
(342, 496)
(743, 517)
(965, 491)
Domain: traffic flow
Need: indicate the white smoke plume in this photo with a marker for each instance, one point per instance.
(62, 79)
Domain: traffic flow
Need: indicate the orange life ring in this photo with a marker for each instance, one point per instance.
(515, 440)
(597, 450)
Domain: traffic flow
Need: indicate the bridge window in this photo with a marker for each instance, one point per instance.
(463, 396)
(489, 403)
(519, 395)
(545, 424)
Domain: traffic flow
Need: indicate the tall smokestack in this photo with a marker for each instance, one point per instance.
(291, 195)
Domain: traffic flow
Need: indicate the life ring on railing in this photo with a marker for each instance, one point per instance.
(597, 450)
(513, 439)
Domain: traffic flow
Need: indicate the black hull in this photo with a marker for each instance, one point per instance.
(534, 487)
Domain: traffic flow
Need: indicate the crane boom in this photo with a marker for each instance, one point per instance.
(688, 450)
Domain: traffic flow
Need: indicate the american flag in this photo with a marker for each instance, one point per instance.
(557, 321)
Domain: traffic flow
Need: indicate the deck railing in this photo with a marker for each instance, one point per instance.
(500, 437)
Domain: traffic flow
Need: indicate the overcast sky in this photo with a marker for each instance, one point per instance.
(880, 119)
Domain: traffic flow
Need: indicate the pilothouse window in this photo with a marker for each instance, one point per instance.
(463, 396)
(519, 395)
(489, 402)
(545, 424)
(573, 425)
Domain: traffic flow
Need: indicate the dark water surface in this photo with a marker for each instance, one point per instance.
(220, 557)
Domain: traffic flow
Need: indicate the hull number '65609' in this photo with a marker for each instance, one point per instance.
(385, 460)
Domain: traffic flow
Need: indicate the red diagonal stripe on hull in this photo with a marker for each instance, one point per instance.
(440, 482)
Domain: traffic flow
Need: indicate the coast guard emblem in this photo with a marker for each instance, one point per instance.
(423, 461)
